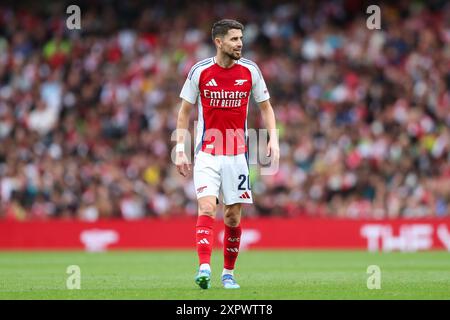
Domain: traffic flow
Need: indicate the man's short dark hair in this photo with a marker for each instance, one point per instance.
(220, 28)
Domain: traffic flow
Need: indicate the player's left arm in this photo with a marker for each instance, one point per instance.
(268, 115)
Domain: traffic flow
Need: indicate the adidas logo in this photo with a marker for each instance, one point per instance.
(203, 241)
(233, 249)
(212, 83)
(244, 196)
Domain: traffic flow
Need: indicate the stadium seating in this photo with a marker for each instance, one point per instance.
(86, 115)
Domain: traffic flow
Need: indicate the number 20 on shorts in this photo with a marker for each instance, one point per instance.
(244, 178)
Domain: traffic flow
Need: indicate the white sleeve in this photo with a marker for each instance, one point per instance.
(190, 89)
(259, 88)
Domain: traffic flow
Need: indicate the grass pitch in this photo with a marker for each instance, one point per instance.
(263, 275)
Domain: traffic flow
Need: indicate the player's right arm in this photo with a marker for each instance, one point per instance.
(189, 95)
(181, 160)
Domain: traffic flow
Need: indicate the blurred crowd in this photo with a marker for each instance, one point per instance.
(86, 116)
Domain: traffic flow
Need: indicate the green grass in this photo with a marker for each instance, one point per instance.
(262, 275)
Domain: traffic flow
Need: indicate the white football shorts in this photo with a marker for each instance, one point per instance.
(229, 175)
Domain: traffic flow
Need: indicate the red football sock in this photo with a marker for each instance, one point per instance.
(204, 235)
(231, 241)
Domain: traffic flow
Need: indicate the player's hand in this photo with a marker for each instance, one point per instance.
(182, 163)
(273, 151)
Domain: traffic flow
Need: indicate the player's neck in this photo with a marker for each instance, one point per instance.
(224, 61)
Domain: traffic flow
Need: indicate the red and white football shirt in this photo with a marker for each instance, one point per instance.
(223, 95)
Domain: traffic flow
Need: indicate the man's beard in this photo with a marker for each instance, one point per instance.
(234, 55)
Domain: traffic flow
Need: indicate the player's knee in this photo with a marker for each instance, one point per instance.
(207, 208)
(232, 217)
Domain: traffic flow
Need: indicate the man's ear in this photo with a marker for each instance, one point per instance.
(218, 42)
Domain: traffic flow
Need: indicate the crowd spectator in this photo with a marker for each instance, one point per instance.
(86, 116)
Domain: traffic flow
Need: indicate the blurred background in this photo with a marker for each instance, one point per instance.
(86, 115)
